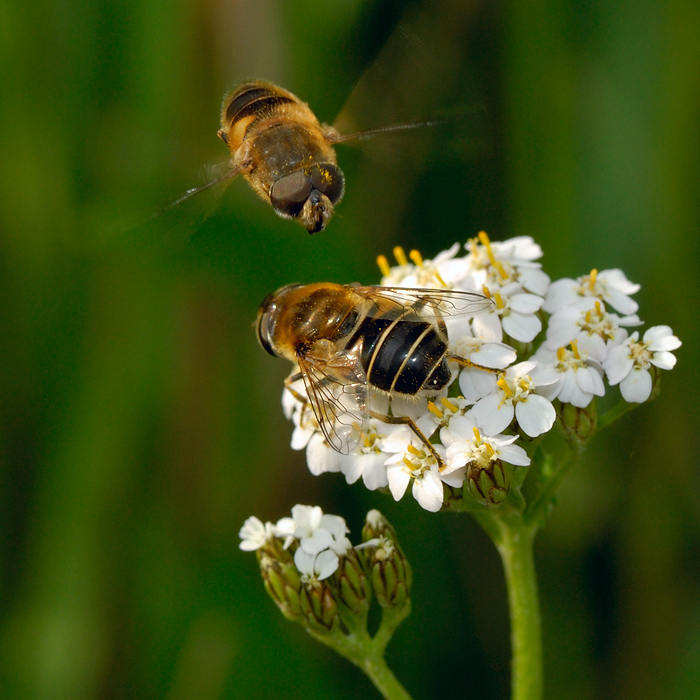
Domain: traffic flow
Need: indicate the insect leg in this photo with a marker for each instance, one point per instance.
(291, 379)
(405, 420)
(468, 363)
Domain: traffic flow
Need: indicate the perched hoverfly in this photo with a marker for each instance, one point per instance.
(348, 340)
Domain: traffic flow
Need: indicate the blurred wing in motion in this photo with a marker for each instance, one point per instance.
(417, 80)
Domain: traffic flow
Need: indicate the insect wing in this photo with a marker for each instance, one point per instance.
(416, 80)
(448, 303)
(217, 185)
(337, 392)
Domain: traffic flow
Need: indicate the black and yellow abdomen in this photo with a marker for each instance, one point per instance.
(402, 356)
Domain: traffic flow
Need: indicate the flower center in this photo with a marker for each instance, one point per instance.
(482, 453)
(641, 355)
(597, 321)
(418, 461)
(449, 409)
(516, 389)
(569, 359)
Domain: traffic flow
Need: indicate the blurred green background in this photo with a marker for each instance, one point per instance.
(140, 423)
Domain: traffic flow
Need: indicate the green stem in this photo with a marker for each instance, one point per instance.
(384, 680)
(514, 541)
(516, 552)
(368, 655)
(616, 412)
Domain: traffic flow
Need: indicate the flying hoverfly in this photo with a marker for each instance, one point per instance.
(286, 155)
(350, 341)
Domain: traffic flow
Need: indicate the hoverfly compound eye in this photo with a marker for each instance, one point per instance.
(263, 329)
(289, 193)
(329, 180)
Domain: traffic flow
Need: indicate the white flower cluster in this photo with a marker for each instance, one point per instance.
(322, 539)
(476, 426)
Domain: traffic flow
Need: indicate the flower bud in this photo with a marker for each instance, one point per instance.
(578, 424)
(352, 586)
(282, 582)
(389, 570)
(488, 485)
(319, 607)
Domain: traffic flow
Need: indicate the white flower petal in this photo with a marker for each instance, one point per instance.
(321, 457)
(491, 415)
(488, 327)
(398, 477)
(326, 564)
(374, 472)
(514, 454)
(525, 303)
(661, 338)
(590, 381)
(475, 383)
(521, 327)
(319, 540)
(663, 360)
(428, 491)
(571, 391)
(495, 355)
(535, 415)
(618, 364)
(304, 562)
(636, 386)
(254, 534)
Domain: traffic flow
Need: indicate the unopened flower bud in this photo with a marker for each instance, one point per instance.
(282, 582)
(390, 571)
(488, 485)
(579, 424)
(319, 607)
(352, 586)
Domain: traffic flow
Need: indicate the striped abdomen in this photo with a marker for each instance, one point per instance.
(402, 356)
(255, 100)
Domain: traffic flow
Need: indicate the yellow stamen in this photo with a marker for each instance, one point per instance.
(439, 278)
(505, 387)
(561, 354)
(472, 246)
(448, 404)
(592, 278)
(409, 464)
(477, 434)
(484, 238)
(489, 449)
(598, 309)
(383, 265)
(500, 269)
(414, 451)
(400, 256)
(434, 409)
(589, 315)
(499, 300)
(574, 349)
(486, 291)
(416, 257)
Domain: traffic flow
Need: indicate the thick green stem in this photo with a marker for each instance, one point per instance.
(384, 680)
(515, 546)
